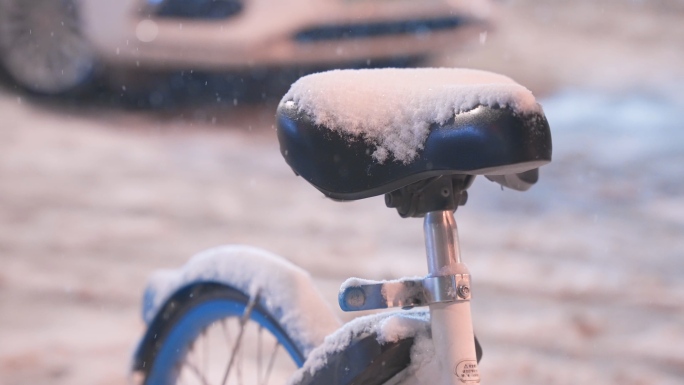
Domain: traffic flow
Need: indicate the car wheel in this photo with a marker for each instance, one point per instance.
(42, 46)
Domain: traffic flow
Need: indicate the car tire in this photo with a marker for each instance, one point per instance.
(43, 47)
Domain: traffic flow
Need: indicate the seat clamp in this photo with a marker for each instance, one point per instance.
(356, 294)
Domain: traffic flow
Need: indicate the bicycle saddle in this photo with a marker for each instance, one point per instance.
(354, 134)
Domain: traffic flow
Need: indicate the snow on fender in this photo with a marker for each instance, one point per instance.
(285, 290)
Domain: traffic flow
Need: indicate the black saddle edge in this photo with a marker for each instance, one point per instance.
(286, 115)
(524, 167)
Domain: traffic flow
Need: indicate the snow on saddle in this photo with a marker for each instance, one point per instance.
(354, 134)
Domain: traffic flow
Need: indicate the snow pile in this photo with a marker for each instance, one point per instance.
(394, 108)
(388, 327)
(285, 290)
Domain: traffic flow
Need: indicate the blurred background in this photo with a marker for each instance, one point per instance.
(134, 134)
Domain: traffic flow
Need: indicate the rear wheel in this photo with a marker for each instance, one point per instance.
(43, 47)
(219, 335)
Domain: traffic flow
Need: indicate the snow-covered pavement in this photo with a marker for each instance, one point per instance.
(577, 279)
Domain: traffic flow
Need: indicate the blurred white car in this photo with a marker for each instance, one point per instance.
(54, 46)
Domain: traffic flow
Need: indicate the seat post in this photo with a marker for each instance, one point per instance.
(441, 242)
(452, 327)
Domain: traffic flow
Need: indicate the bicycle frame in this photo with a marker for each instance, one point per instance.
(446, 290)
(452, 327)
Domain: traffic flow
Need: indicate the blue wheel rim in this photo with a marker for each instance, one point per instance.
(194, 321)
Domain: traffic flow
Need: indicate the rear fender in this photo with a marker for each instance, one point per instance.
(285, 291)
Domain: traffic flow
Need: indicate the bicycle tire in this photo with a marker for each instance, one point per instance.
(187, 317)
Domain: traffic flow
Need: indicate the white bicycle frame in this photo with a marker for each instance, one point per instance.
(446, 290)
(452, 327)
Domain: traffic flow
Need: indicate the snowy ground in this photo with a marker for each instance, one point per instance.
(576, 281)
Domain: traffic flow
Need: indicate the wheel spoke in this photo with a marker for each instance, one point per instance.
(189, 358)
(205, 351)
(243, 320)
(258, 357)
(238, 369)
(271, 362)
(196, 372)
(226, 331)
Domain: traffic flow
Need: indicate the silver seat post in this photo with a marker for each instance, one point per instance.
(452, 328)
(441, 243)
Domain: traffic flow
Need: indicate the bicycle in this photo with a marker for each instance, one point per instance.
(418, 136)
